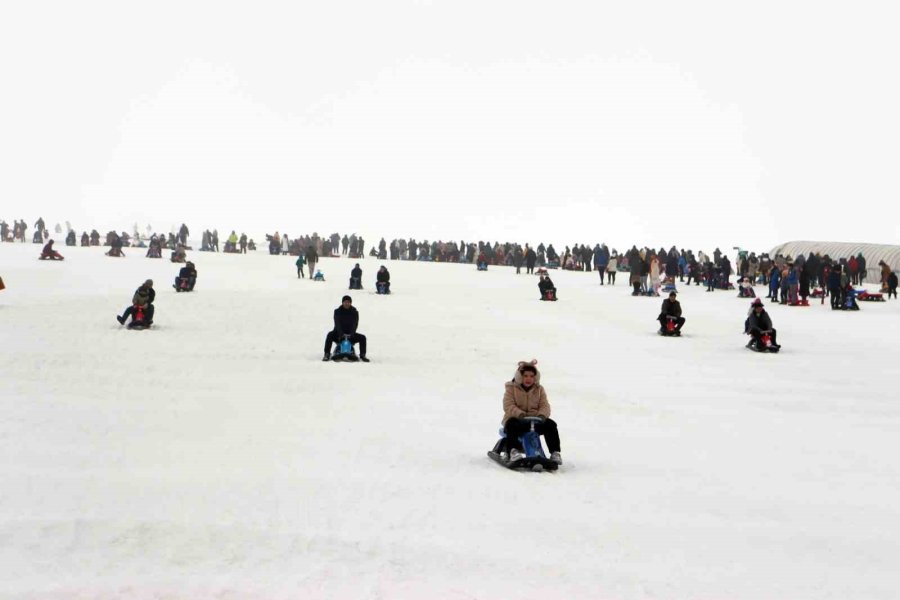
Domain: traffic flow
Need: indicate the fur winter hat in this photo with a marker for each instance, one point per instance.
(527, 366)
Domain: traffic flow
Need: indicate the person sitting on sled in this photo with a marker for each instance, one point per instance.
(187, 278)
(143, 298)
(49, 252)
(356, 278)
(745, 289)
(759, 322)
(383, 280)
(671, 309)
(545, 285)
(525, 397)
(346, 320)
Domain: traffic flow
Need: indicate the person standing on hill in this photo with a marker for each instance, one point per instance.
(312, 257)
(530, 259)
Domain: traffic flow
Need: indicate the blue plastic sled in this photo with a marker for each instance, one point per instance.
(535, 459)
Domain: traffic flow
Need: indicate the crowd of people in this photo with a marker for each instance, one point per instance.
(788, 280)
(791, 279)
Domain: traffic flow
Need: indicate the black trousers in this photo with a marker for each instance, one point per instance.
(836, 300)
(679, 322)
(516, 427)
(191, 281)
(334, 337)
(148, 313)
(757, 335)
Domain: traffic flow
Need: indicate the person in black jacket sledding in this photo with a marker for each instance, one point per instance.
(383, 281)
(346, 320)
(356, 278)
(548, 290)
(759, 322)
(671, 309)
(187, 278)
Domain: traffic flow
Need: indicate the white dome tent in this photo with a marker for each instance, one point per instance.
(873, 253)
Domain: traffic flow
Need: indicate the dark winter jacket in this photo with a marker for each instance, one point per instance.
(760, 321)
(345, 320)
(382, 276)
(545, 284)
(834, 279)
(670, 308)
(142, 296)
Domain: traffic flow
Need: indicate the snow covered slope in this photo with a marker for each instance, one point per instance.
(216, 456)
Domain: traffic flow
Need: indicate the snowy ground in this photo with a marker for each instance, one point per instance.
(217, 456)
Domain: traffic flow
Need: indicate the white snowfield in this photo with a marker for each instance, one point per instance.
(217, 456)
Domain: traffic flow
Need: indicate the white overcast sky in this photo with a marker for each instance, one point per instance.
(699, 124)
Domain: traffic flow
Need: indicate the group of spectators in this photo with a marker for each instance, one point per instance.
(647, 268)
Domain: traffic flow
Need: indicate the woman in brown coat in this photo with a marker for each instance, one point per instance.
(526, 397)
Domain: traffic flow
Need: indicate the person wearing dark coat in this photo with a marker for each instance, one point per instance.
(346, 320)
(530, 259)
(383, 280)
(518, 259)
(49, 252)
(356, 278)
(187, 278)
(671, 308)
(546, 285)
(759, 322)
(861, 265)
(671, 266)
(143, 297)
(834, 288)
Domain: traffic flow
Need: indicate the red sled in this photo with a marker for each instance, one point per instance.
(866, 296)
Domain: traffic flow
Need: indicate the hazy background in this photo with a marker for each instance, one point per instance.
(700, 124)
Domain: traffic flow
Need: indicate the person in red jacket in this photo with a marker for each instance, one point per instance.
(853, 269)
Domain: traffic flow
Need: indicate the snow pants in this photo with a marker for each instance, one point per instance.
(679, 322)
(516, 427)
(757, 335)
